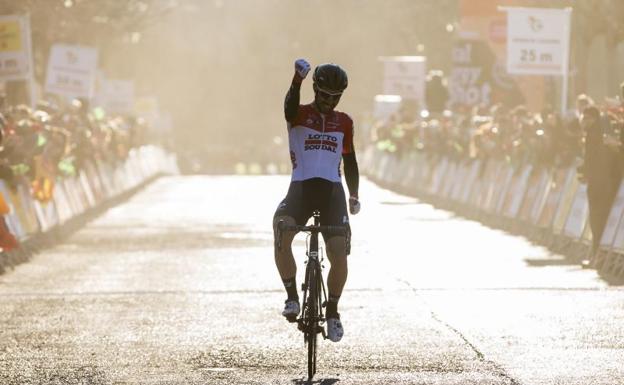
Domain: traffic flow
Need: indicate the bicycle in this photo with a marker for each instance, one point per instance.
(312, 320)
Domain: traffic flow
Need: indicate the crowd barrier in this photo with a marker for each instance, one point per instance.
(97, 183)
(549, 206)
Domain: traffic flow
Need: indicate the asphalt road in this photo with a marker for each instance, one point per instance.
(178, 286)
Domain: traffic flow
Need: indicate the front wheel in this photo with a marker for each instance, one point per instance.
(312, 320)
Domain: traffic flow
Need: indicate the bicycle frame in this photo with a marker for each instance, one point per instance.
(314, 293)
(314, 271)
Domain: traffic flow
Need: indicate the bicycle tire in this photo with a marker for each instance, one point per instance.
(312, 320)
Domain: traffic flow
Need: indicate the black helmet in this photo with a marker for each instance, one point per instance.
(330, 77)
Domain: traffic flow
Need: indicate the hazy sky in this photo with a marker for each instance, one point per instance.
(223, 67)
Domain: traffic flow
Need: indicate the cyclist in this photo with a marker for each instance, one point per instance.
(319, 137)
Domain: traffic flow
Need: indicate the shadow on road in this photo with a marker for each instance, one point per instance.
(544, 262)
(402, 203)
(326, 381)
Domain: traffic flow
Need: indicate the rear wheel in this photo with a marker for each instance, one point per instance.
(312, 318)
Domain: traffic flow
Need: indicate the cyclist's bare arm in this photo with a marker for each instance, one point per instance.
(291, 104)
(352, 173)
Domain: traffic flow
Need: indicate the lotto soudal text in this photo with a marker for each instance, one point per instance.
(321, 142)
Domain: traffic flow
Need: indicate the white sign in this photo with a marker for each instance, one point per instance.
(538, 41)
(71, 71)
(385, 105)
(118, 96)
(404, 76)
(14, 48)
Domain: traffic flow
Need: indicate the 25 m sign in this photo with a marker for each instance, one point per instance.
(532, 56)
(538, 41)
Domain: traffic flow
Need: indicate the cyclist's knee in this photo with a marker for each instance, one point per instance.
(286, 236)
(337, 249)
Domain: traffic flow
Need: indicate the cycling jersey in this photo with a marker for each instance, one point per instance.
(316, 141)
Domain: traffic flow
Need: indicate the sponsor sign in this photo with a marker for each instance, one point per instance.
(404, 76)
(72, 71)
(537, 41)
(321, 142)
(14, 48)
(470, 82)
(483, 29)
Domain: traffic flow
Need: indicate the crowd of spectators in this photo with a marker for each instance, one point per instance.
(590, 138)
(41, 143)
(515, 135)
(51, 140)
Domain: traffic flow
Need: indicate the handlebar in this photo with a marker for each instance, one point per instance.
(341, 230)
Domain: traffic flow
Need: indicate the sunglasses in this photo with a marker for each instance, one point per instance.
(328, 95)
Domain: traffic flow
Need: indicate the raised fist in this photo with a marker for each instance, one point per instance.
(302, 67)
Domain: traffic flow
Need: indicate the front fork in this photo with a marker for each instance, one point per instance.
(314, 262)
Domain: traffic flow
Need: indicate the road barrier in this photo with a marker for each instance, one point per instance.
(549, 206)
(98, 184)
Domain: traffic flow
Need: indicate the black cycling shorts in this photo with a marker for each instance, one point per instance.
(316, 194)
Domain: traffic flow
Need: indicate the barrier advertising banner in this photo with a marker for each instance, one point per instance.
(550, 206)
(71, 71)
(618, 242)
(577, 218)
(538, 40)
(15, 48)
(613, 221)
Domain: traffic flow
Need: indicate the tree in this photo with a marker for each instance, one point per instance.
(100, 23)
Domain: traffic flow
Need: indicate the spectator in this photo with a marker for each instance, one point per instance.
(436, 92)
(601, 173)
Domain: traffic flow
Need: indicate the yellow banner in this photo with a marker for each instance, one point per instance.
(10, 36)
